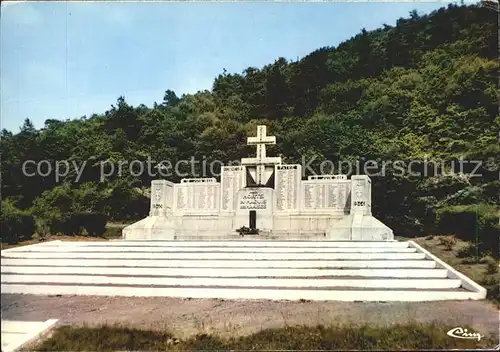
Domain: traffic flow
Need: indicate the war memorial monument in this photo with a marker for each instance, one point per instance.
(332, 206)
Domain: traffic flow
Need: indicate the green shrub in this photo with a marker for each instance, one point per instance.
(491, 268)
(469, 251)
(78, 223)
(492, 286)
(72, 211)
(476, 223)
(93, 223)
(42, 228)
(15, 225)
(113, 232)
(448, 242)
(65, 225)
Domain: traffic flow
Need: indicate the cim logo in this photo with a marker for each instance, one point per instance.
(461, 333)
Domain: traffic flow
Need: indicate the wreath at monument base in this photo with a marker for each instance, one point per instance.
(247, 231)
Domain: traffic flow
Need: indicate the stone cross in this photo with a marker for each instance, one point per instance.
(261, 160)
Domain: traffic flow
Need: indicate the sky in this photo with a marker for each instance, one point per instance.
(61, 60)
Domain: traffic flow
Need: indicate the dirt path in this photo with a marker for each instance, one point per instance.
(185, 317)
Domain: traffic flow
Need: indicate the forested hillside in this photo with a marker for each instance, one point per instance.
(425, 88)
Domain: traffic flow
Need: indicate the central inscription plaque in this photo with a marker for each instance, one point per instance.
(254, 200)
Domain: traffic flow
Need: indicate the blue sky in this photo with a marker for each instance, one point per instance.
(68, 59)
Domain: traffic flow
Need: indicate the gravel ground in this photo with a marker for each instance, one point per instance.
(185, 317)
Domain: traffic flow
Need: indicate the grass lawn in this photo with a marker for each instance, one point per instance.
(478, 269)
(398, 337)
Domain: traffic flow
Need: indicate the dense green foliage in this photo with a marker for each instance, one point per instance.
(397, 337)
(475, 223)
(423, 89)
(15, 224)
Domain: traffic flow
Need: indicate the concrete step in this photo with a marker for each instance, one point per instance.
(348, 294)
(226, 272)
(176, 249)
(225, 244)
(215, 256)
(240, 269)
(260, 237)
(189, 263)
(20, 326)
(387, 283)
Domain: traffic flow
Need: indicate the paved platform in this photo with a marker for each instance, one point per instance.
(240, 269)
(15, 334)
(231, 318)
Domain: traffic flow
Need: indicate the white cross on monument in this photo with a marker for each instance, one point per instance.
(261, 160)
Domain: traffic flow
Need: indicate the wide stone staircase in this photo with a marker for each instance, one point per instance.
(236, 269)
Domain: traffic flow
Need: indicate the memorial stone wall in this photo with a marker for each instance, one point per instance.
(287, 180)
(326, 193)
(233, 178)
(197, 196)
